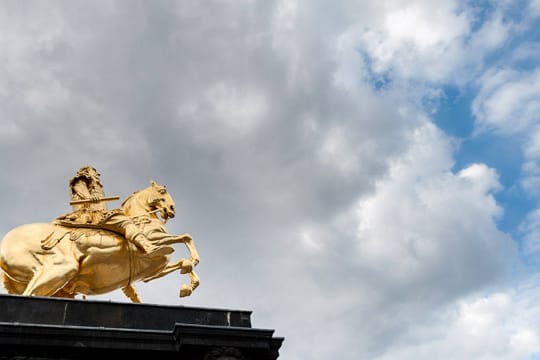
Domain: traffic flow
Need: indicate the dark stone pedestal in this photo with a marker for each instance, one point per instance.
(54, 328)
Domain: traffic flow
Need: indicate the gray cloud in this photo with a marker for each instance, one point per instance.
(239, 111)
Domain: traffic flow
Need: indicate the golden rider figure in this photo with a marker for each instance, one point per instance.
(91, 211)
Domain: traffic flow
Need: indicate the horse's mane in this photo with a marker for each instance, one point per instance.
(152, 204)
(130, 198)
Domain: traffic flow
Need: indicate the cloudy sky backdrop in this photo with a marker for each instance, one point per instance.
(363, 175)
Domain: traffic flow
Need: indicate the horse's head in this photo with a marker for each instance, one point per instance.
(153, 199)
(161, 201)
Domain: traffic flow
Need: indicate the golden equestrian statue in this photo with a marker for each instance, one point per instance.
(93, 250)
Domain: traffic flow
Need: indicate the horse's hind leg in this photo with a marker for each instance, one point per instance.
(52, 276)
(63, 293)
(131, 293)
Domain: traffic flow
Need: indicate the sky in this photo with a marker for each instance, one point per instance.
(361, 175)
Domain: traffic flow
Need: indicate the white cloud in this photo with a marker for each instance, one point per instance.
(479, 175)
(434, 42)
(390, 263)
(461, 208)
(534, 7)
(417, 40)
(491, 35)
(498, 326)
(532, 146)
(508, 101)
(424, 24)
(530, 168)
(531, 230)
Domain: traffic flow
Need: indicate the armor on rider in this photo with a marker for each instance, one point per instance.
(86, 185)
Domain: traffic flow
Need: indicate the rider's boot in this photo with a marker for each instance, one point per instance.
(147, 247)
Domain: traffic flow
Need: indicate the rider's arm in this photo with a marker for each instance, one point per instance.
(80, 189)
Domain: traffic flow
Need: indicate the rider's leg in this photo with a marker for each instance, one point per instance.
(134, 235)
(123, 225)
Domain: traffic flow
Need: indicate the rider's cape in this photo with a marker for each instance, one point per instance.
(78, 222)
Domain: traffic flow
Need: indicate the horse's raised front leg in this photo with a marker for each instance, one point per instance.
(195, 259)
(187, 240)
(186, 290)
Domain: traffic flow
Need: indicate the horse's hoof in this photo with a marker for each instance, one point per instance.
(185, 291)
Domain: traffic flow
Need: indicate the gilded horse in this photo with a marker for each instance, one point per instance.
(48, 259)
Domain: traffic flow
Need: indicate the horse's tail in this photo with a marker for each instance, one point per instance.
(10, 285)
(6, 281)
